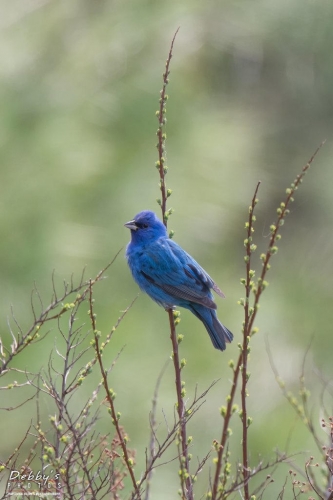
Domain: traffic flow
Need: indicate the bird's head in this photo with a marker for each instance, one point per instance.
(146, 227)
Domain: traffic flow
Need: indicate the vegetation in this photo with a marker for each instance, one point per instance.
(71, 375)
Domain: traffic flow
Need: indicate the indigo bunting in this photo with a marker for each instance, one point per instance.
(170, 276)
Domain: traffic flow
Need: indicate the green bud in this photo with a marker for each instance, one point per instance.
(223, 411)
(112, 394)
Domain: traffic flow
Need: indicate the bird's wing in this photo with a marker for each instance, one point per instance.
(166, 265)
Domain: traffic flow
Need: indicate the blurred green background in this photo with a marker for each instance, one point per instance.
(251, 97)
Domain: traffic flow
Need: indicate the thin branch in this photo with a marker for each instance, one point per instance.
(153, 438)
(186, 482)
(185, 477)
(257, 290)
(246, 340)
(161, 135)
(110, 399)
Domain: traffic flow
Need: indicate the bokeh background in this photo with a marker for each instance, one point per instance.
(251, 97)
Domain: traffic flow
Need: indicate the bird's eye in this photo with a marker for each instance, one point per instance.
(141, 225)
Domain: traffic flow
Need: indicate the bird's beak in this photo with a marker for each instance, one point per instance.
(131, 225)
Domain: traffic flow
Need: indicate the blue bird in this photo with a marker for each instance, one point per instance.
(170, 276)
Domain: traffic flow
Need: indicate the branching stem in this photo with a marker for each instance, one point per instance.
(186, 482)
(115, 417)
(250, 316)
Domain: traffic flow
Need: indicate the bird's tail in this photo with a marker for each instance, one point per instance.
(218, 333)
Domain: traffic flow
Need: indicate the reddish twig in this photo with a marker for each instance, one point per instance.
(24, 339)
(160, 164)
(282, 211)
(246, 339)
(250, 316)
(153, 426)
(110, 396)
(186, 482)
